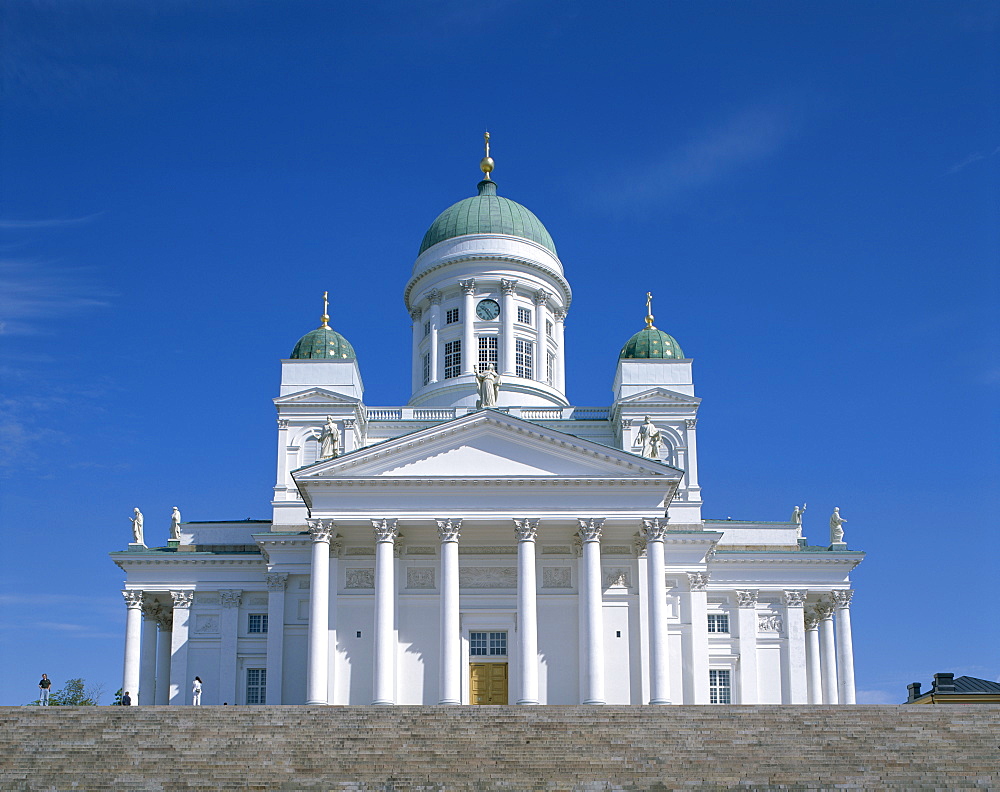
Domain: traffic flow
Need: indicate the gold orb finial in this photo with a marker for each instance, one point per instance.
(649, 311)
(486, 163)
(325, 318)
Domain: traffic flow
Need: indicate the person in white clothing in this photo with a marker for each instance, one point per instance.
(196, 692)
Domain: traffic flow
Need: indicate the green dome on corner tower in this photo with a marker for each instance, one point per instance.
(323, 343)
(650, 343)
(487, 213)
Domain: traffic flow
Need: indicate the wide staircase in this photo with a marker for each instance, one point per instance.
(500, 748)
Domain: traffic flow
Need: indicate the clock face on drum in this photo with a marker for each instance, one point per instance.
(488, 310)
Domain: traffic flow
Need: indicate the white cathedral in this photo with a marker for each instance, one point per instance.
(488, 542)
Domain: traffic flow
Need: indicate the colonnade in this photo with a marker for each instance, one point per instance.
(817, 662)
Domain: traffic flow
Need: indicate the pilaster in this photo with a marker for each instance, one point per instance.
(746, 608)
(696, 647)
(794, 676)
(179, 683)
(229, 631)
(276, 583)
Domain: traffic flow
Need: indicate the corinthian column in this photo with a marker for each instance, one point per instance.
(165, 621)
(659, 656)
(133, 632)
(696, 647)
(812, 657)
(845, 645)
(435, 319)
(276, 582)
(527, 610)
(451, 633)
(540, 297)
(795, 684)
(469, 353)
(179, 682)
(318, 658)
(229, 637)
(417, 373)
(593, 608)
(746, 602)
(385, 606)
(507, 317)
(147, 659)
(829, 662)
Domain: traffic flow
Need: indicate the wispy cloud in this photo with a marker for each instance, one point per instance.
(33, 292)
(716, 154)
(978, 156)
(11, 224)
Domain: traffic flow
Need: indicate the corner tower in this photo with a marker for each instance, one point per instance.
(487, 289)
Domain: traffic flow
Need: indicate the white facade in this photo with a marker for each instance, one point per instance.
(525, 553)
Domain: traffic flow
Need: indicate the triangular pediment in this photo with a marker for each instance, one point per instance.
(659, 396)
(316, 396)
(487, 444)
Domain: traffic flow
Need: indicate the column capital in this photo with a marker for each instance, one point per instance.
(590, 529)
(165, 620)
(639, 544)
(434, 296)
(654, 529)
(525, 529)
(698, 581)
(151, 610)
(746, 598)
(508, 286)
(559, 314)
(842, 598)
(690, 423)
(133, 598)
(230, 598)
(811, 619)
(794, 598)
(416, 313)
(824, 610)
(449, 530)
(541, 296)
(182, 598)
(385, 530)
(321, 530)
(468, 287)
(276, 581)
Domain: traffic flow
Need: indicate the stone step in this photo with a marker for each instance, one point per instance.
(499, 748)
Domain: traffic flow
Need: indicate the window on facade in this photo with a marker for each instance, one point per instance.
(522, 358)
(548, 328)
(524, 315)
(550, 368)
(487, 352)
(488, 644)
(718, 622)
(427, 328)
(452, 359)
(451, 316)
(256, 686)
(426, 364)
(719, 687)
(310, 450)
(257, 623)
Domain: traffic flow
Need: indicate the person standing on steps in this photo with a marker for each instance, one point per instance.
(196, 692)
(126, 699)
(43, 686)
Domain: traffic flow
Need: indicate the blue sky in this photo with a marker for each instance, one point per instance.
(810, 191)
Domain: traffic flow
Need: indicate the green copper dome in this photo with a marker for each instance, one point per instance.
(323, 343)
(651, 343)
(487, 213)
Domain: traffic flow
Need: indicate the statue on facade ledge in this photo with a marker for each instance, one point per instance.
(797, 518)
(489, 386)
(137, 527)
(836, 531)
(329, 440)
(650, 439)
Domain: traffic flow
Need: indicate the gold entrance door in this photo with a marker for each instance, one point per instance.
(488, 683)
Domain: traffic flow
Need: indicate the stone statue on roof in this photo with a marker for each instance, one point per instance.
(329, 440)
(650, 439)
(836, 531)
(137, 527)
(175, 524)
(489, 386)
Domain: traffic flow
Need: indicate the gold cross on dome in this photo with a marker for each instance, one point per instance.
(325, 318)
(649, 309)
